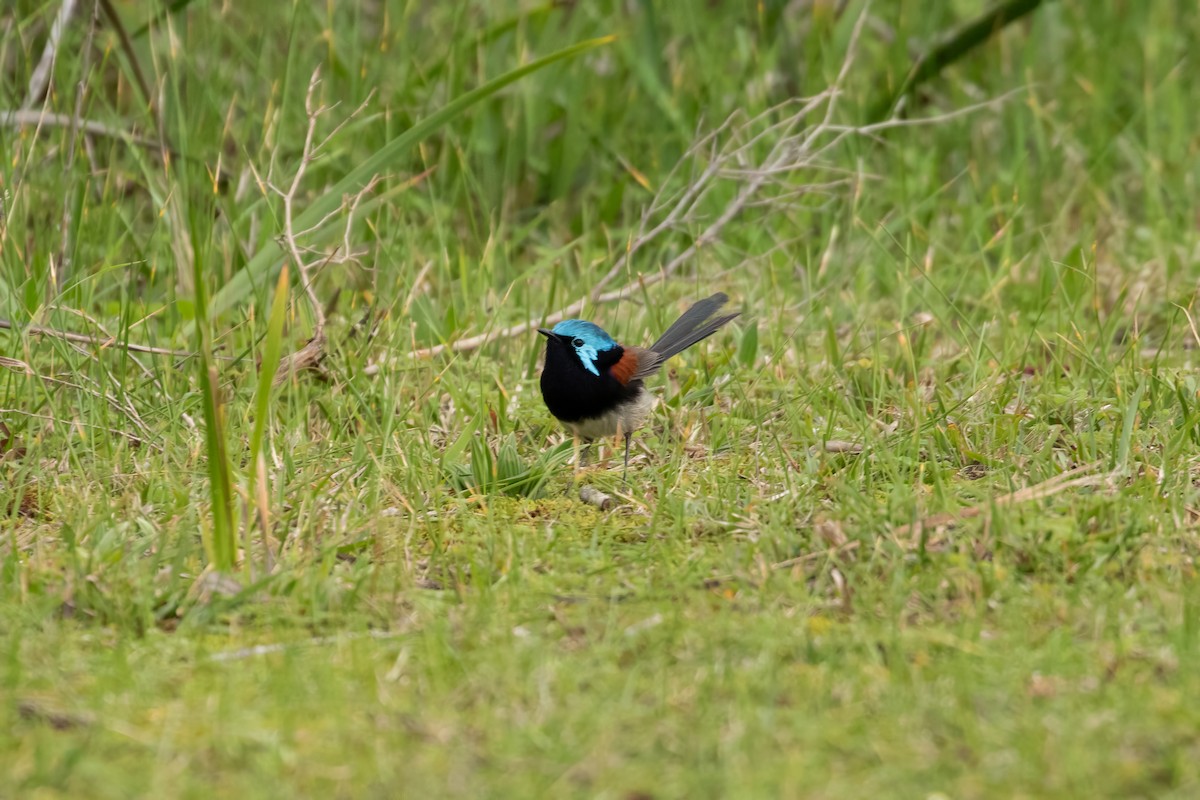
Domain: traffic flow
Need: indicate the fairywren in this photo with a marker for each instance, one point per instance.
(594, 386)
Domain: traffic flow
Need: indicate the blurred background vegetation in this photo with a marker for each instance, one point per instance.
(986, 281)
(552, 173)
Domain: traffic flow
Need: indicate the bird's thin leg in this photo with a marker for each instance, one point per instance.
(582, 449)
(625, 474)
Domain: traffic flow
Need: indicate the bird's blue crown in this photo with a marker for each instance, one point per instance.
(588, 339)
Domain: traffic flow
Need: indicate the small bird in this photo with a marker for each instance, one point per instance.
(594, 386)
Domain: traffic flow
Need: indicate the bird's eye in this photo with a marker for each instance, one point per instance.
(577, 342)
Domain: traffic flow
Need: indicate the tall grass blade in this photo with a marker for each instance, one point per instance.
(221, 542)
(271, 356)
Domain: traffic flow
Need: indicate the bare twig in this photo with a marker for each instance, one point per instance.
(833, 551)
(40, 78)
(28, 118)
(313, 352)
(1076, 478)
(125, 407)
(44, 118)
(936, 119)
(101, 341)
(289, 198)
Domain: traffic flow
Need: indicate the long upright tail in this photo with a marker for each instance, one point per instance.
(697, 323)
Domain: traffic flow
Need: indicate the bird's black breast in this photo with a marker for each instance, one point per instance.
(572, 393)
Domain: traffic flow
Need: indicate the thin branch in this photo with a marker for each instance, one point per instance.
(101, 341)
(59, 272)
(289, 198)
(40, 79)
(29, 118)
(38, 119)
(313, 352)
(888, 124)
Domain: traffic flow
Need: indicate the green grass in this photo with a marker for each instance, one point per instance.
(989, 301)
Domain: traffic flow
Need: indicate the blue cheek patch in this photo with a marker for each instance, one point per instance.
(588, 356)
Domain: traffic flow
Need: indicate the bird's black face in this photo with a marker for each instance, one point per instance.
(575, 382)
(568, 356)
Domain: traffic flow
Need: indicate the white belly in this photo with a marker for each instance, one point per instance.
(625, 418)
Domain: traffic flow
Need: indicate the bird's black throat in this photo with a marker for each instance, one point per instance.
(573, 393)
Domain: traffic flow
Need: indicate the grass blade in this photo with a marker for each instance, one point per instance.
(272, 353)
(221, 541)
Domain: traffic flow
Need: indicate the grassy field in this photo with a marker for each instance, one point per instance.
(921, 523)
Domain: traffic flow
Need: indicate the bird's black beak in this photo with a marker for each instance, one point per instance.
(549, 334)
